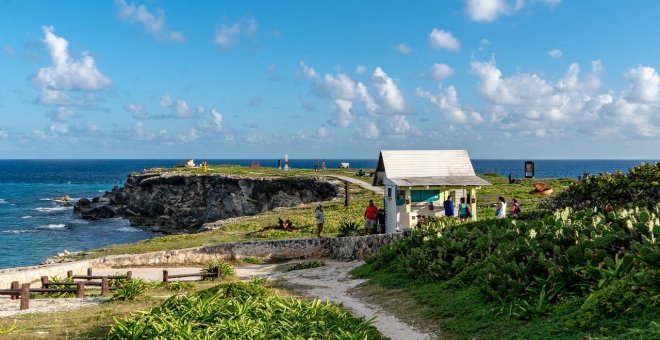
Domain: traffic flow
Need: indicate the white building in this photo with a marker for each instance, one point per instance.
(417, 182)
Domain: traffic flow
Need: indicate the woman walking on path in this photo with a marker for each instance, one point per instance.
(464, 211)
(320, 219)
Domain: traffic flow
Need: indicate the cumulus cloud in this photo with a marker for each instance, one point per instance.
(645, 84)
(180, 108)
(400, 127)
(388, 92)
(360, 69)
(228, 34)
(153, 22)
(403, 49)
(322, 132)
(66, 74)
(370, 131)
(441, 72)
(555, 53)
(443, 39)
(217, 118)
(449, 105)
(490, 10)
(137, 110)
(61, 114)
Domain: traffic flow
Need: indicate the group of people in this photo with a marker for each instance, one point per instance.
(372, 216)
(465, 212)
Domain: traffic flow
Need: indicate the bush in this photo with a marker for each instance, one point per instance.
(242, 310)
(129, 290)
(305, 265)
(223, 269)
(350, 228)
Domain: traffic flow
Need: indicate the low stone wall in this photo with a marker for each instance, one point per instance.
(34, 273)
(341, 248)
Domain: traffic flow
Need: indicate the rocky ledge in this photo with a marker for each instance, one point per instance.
(177, 202)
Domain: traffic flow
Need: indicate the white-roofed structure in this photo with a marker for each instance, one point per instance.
(417, 182)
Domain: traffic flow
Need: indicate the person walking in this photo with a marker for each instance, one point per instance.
(500, 210)
(320, 219)
(464, 211)
(515, 208)
(370, 218)
(449, 206)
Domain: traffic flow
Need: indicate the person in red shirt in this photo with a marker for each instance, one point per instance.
(370, 218)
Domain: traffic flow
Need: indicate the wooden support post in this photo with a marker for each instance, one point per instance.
(165, 276)
(89, 273)
(25, 296)
(14, 286)
(346, 193)
(217, 272)
(129, 275)
(44, 282)
(69, 273)
(105, 286)
(80, 290)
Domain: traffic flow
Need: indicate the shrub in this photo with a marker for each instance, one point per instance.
(129, 290)
(350, 228)
(223, 269)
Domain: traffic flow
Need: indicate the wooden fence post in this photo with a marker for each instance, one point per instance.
(69, 273)
(14, 286)
(89, 273)
(217, 272)
(44, 282)
(80, 290)
(165, 276)
(105, 286)
(25, 296)
(129, 275)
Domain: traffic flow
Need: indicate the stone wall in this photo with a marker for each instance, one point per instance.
(341, 248)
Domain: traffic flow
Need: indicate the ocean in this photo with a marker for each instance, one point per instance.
(34, 227)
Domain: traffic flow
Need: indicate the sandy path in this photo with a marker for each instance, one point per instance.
(332, 282)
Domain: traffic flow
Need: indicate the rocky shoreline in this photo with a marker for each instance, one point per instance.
(174, 202)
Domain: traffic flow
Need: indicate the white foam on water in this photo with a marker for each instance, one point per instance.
(15, 231)
(53, 226)
(51, 209)
(45, 199)
(26, 217)
(129, 229)
(2, 201)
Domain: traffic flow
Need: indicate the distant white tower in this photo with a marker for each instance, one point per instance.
(286, 161)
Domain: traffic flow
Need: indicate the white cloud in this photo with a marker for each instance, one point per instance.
(180, 108)
(4, 134)
(490, 10)
(370, 131)
(137, 110)
(323, 132)
(400, 127)
(443, 39)
(217, 118)
(62, 114)
(404, 49)
(555, 53)
(441, 72)
(227, 35)
(66, 74)
(360, 69)
(645, 84)
(388, 92)
(450, 106)
(9, 51)
(153, 22)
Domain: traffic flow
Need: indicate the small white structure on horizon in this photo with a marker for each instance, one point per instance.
(190, 163)
(417, 182)
(344, 165)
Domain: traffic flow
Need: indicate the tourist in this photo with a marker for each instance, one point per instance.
(500, 208)
(320, 219)
(449, 206)
(515, 208)
(370, 218)
(464, 211)
(381, 222)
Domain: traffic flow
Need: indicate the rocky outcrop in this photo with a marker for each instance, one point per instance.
(176, 202)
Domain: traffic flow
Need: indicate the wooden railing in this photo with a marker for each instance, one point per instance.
(167, 276)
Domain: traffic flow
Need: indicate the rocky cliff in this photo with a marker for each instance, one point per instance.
(175, 202)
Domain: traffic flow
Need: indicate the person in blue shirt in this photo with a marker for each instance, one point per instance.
(449, 206)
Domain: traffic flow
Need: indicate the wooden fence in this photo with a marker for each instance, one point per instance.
(167, 276)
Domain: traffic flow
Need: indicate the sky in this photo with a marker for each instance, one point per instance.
(503, 79)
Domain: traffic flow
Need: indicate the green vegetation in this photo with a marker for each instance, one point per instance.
(242, 310)
(224, 270)
(564, 274)
(6, 329)
(129, 290)
(305, 265)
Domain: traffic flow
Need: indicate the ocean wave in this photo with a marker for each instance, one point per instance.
(129, 229)
(2, 201)
(53, 226)
(42, 209)
(45, 199)
(16, 231)
(26, 217)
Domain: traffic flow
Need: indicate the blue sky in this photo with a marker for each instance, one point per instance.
(341, 79)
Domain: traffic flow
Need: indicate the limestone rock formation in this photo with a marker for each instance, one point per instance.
(179, 202)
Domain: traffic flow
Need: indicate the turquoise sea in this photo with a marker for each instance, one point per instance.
(33, 226)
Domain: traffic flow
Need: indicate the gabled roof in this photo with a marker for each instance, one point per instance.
(426, 167)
